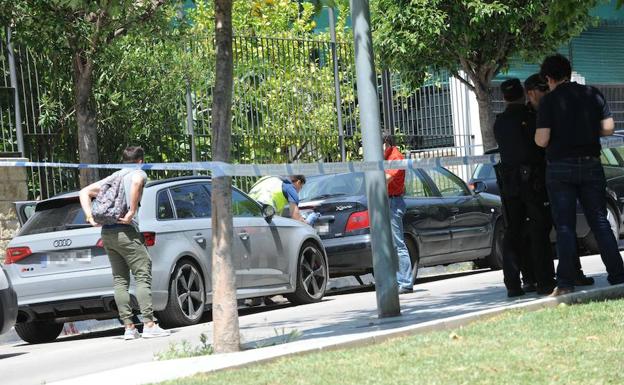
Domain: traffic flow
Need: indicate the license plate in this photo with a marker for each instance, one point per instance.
(322, 228)
(67, 257)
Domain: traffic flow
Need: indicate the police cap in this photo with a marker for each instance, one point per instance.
(535, 82)
(512, 89)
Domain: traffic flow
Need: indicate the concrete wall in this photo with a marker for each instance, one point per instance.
(13, 187)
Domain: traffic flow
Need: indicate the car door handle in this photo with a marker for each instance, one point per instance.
(454, 210)
(199, 238)
(243, 235)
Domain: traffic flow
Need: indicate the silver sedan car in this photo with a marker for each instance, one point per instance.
(61, 272)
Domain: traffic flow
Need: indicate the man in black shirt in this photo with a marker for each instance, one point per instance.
(571, 119)
(523, 192)
(536, 87)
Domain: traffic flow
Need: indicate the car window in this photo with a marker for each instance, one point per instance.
(448, 183)
(415, 185)
(484, 171)
(191, 201)
(243, 206)
(164, 209)
(607, 157)
(325, 186)
(618, 152)
(58, 218)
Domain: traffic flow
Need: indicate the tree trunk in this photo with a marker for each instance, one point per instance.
(85, 116)
(486, 113)
(224, 305)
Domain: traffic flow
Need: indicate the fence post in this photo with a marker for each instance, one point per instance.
(14, 85)
(385, 259)
(189, 122)
(332, 33)
(386, 100)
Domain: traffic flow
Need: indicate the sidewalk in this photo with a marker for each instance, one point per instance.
(347, 320)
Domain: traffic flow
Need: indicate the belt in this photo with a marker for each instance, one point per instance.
(575, 159)
(395, 196)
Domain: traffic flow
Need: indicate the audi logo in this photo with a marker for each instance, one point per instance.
(62, 243)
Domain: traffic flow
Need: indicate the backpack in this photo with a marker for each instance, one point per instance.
(110, 203)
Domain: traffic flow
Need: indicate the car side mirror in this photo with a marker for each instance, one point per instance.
(479, 187)
(268, 212)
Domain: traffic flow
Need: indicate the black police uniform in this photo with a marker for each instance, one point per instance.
(521, 175)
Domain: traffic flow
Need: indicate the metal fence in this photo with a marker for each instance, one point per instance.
(294, 100)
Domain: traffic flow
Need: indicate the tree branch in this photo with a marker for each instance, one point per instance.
(457, 76)
(123, 29)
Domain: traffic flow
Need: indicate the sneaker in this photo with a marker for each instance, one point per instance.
(405, 290)
(155, 331)
(561, 291)
(529, 287)
(515, 293)
(545, 290)
(131, 334)
(584, 280)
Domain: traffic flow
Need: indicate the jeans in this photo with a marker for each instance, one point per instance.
(581, 178)
(126, 252)
(404, 274)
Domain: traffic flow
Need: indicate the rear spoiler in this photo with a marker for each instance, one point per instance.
(24, 210)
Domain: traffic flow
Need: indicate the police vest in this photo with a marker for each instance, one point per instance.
(268, 190)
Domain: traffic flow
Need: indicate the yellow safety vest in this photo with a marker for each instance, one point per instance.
(268, 190)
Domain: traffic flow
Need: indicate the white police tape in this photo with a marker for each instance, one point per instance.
(219, 169)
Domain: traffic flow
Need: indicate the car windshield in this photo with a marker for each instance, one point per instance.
(66, 217)
(326, 186)
(484, 171)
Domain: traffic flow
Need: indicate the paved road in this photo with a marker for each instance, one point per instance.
(337, 315)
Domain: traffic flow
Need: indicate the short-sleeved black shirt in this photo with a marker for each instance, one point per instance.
(514, 131)
(574, 113)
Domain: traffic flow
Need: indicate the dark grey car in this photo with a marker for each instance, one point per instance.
(8, 304)
(444, 221)
(613, 164)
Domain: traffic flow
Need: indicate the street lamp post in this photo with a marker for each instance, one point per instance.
(385, 259)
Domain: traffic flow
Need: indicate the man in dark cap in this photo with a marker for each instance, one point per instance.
(535, 87)
(523, 197)
(571, 120)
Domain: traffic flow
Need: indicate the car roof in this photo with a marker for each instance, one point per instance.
(57, 200)
(177, 179)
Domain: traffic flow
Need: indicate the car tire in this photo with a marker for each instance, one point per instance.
(187, 296)
(38, 332)
(414, 257)
(312, 276)
(590, 242)
(495, 259)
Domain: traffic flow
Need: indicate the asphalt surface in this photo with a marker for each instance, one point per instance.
(350, 312)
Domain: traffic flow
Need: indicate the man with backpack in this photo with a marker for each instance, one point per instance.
(115, 208)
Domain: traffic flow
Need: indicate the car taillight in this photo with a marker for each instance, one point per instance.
(14, 254)
(150, 238)
(99, 243)
(358, 221)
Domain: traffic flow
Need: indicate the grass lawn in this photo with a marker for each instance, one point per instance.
(581, 344)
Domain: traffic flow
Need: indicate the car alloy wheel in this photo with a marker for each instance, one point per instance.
(313, 272)
(312, 276)
(189, 291)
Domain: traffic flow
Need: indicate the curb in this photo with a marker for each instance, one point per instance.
(158, 371)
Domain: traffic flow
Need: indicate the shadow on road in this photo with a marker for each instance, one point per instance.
(3, 356)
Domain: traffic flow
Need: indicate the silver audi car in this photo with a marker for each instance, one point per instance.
(61, 272)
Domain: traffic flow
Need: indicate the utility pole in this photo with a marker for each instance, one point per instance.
(14, 85)
(385, 260)
(334, 52)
